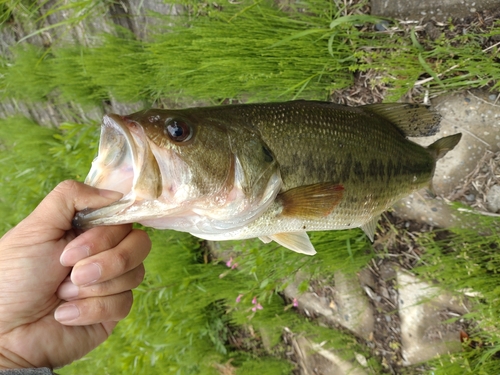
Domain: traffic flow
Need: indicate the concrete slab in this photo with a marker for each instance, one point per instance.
(314, 358)
(476, 114)
(349, 308)
(439, 10)
(423, 308)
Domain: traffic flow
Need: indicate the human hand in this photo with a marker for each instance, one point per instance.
(61, 294)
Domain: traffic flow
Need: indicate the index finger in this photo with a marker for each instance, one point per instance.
(93, 241)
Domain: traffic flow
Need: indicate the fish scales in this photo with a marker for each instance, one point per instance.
(271, 170)
(370, 157)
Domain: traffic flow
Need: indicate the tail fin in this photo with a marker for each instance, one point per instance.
(439, 148)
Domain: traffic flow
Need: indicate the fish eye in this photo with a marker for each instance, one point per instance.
(178, 130)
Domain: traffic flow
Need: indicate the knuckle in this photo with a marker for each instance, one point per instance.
(65, 186)
(143, 239)
(139, 275)
(121, 260)
(106, 239)
(101, 289)
(100, 308)
(128, 300)
(103, 309)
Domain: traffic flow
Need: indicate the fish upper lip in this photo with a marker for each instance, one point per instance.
(113, 129)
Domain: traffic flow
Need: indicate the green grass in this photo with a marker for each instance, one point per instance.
(186, 309)
(468, 260)
(254, 53)
(32, 165)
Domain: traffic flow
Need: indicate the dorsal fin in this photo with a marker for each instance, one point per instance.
(413, 120)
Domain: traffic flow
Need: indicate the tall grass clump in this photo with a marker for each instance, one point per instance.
(251, 51)
(33, 165)
(256, 53)
(445, 64)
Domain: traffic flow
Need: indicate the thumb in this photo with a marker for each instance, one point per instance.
(57, 209)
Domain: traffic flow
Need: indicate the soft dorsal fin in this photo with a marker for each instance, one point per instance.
(296, 241)
(311, 201)
(370, 226)
(414, 120)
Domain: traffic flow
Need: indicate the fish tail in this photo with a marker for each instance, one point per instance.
(439, 148)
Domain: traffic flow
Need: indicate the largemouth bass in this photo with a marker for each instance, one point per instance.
(273, 171)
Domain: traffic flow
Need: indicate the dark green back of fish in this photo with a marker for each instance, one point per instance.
(323, 142)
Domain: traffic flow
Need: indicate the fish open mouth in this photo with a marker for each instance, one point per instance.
(113, 168)
(125, 164)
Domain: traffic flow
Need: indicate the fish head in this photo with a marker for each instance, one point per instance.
(181, 170)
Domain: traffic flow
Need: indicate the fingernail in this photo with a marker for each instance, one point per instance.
(69, 257)
(86, 274)
(111, 194)
(68, 290)
(66, 313)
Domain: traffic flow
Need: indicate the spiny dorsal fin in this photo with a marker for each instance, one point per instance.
(439, 148)
(296, 241)
(370, 226)
(414, 120)
(311, 201)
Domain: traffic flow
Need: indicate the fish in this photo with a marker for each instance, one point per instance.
(269, 170)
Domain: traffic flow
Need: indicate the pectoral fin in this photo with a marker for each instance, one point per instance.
(311, 201)
(296, 241)
(370, 227)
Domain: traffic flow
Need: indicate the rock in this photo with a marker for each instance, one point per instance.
(477, 117)
(353, 307)
(349, 308)
(423, 309)
(439, 10)
(315, 359)
(493, 199)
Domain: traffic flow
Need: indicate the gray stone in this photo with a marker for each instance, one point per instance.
(493, 199)
(350, 307)
(439, 10)
(477, 117)
(314, 358)
(423, 308)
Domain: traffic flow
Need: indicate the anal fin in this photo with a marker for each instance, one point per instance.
(296, 241)
(370, 226)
